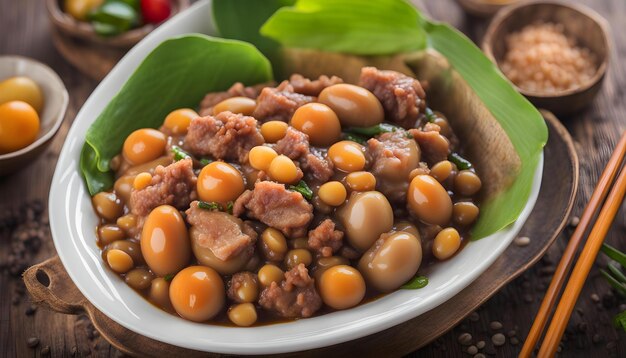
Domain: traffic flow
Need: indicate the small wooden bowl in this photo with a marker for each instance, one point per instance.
(483, 8)
(55, 99)
(71, 27)
(589, 29)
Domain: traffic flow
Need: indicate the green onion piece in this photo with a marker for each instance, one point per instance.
(168, 277)
(302, 188)
(179, 154)
(415, 283)
(459, 161)
(373, 130)
(209, 206)
(615, 254)
(617, 273)
(355, 138)
(619, 287)
(430, 115)
(205, 162)
(229, 207)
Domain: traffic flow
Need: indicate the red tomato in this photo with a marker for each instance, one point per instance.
(155, 11)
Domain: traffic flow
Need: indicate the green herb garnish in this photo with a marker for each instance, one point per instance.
(430, 115)
(179, 154)
(303, 188)
(373, 130)
(209, 206)
(168, 277)
(460, 162)
(229, 207)
(620, 320)
(416, 283)
(205, 162)
(355, 138)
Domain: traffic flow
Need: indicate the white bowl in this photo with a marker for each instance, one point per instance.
(73, 220)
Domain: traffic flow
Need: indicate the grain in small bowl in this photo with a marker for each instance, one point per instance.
(556, 54)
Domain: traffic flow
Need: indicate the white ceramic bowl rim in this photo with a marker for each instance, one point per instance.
(73, 223)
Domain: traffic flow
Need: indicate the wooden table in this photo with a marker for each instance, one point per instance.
(24, 30)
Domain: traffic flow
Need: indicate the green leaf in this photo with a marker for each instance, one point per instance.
(616, 273)
(360, 27)
(614, 254)
(620, 320)
(177, 74)
(213, 206)
(430, 116)
(373, 130)
(619, 287)
(520, 120)
(416, 283)
(179, 154)
(303, 188)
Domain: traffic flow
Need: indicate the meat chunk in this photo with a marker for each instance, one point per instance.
(279, 103)
(239, 280)
(325, 239)
(294, 297)
(393, 156)
(295, 145)
(236, 90)
(227, 136)
(307, 87)
(434, 146)
(225, 235)
(402, 97)
(172, 185)
(277, 207)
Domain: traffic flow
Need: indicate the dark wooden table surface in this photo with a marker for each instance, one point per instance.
(24, 30)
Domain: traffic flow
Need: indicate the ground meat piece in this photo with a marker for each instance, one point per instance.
(236, 90)
(279, 103)
(433, 145)
(238, 280)
(227, 136)
(172, 185)
(402, 97)
(225, 235)
(295, 145)
(325, 239)
(393, 156)
(294, 297)
(305, 86)
(277, 207)
(317, 167)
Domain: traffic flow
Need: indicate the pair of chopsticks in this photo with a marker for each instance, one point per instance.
(587, 257)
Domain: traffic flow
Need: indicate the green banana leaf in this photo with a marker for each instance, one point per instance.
(177, 74)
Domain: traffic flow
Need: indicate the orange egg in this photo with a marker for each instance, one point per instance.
(197, 293)
(178, 121)
(164, 241)
(19, 126)
(144, 145)
(220, 182)
(342, 287)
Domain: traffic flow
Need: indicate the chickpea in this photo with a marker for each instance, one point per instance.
(467, 183)
(109, 233)
(270, 273)
(248, 291)
(160, 293)
(319, 122)
(144, 145)
(333, 193)
(361, 181)
(242, 105)
(261, 157)
(298, 256)
(464, 213)
(447, 243)
(273, 131)
(273, 244)
(123, 187)
(177, 122)
(284, 170)
(347, 156)
(355, 106)
(107, 205)
(219, 182)
(127, 223)
(429, 200)
(342, 287)
(142, 181)
(441, 171)
(139, 278)
(130, 247)
(243, 314)
(119, 261)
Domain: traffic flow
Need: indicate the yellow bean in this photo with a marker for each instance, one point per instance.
(319, 122)
(243, 314)
(273, 131)
(270, 273)
(332, 193)
(144, 145)
(361, 181)
(347, 156)
(119, 261)
(242, 105)
(177, 122)
(261, 157)
(283, 170)
(142, 181)
(446, 243)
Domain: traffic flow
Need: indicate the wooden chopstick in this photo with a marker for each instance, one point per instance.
(598, 196)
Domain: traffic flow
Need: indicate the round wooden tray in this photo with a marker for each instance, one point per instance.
(50, 285)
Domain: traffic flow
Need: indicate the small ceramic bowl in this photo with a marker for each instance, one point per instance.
(69, 26)
(589, 29)
(484, 8)
(55, 104)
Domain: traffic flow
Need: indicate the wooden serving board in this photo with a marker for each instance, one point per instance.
(50, 285)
